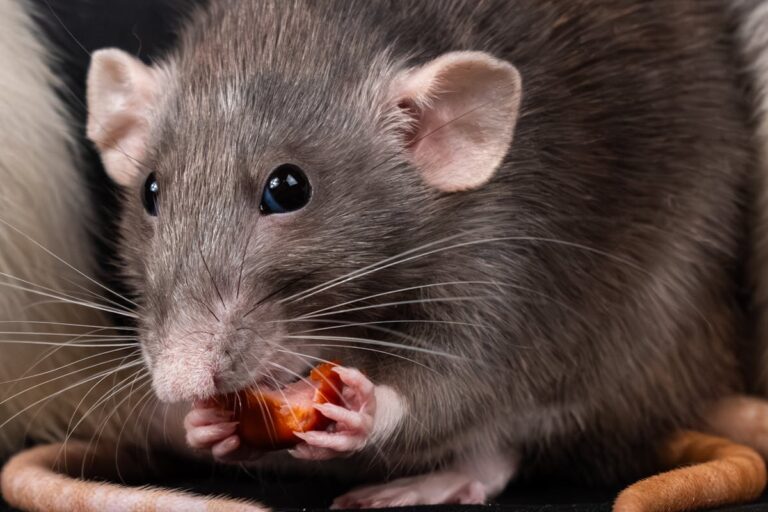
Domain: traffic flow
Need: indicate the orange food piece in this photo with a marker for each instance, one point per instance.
(269, 418)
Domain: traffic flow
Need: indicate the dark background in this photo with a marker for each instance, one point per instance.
(146, 28)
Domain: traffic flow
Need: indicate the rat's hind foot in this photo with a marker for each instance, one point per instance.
(447, 487)
(471, 483)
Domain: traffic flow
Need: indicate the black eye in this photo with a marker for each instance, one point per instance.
(287, 189)
(149, 194)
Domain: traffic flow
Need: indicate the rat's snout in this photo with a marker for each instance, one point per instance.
(190, 368)
(205, 363)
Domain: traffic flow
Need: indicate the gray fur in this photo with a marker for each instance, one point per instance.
(612, 320)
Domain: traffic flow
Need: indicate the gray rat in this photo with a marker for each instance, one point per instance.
(514, 223)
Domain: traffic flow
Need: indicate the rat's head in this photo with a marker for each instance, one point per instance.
(248, 186)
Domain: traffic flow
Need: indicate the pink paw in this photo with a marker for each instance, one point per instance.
(353, 421)
(430, 489)
(211, 428)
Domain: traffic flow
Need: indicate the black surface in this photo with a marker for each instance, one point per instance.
(312, 495)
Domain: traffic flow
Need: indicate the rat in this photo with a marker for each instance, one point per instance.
(514, 223)
(47, 268)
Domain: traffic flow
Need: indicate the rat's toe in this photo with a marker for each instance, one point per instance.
(207, 436)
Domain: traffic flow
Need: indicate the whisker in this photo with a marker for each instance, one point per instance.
(109, 416)
(69, 301)
(64, 390)
(379, 343)
(69, 334)
(36, 375)
(54, 379)
(131, 380)
(56, 349)
(389, 262)
(402, 290)
(97, 296)
(206, 306)
(31, 322)
(333, 282)
(242, 264)
(367, 349)
(279, 290)
(70, 428)
(145, 399)
(61, 260)
(397, 303)
(147, 442)
(340, 324)
(52, 290)
(207, 269)
(65, 344)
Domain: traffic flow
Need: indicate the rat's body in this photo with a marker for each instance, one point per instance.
(45, 254)
(558, 184)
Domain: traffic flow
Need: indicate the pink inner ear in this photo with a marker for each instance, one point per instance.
(121, 93)
(464, 108)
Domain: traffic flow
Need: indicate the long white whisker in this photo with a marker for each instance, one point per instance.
(65, 344)
(64, 390)
(56, 349)
(54, 379)
(379, 343)
(333, 282)
(68, 294)
(58, 258)
(68, 301)
(104, 397)
(397, 303)
(401, 290)
(367, 349)
(145, 399)
(129, 381)
(71, 334)
(97, 296)
(339, 324)
(389, 262)
(36, 375)
(62, 324)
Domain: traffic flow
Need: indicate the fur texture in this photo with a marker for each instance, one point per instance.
(753, 36)
(614, 221)
(44, 212)
(595, 259)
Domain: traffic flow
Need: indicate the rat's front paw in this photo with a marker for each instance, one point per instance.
(353, 421)
(211, 428)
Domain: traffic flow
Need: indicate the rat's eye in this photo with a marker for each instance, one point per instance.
(149, 194)
(287, 189)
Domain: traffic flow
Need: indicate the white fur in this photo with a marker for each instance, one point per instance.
(42, 195)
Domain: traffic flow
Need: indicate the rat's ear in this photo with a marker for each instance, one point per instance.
(461, 110)
(121, 93)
